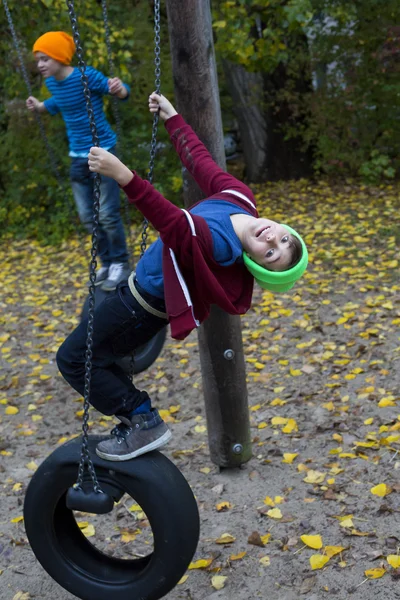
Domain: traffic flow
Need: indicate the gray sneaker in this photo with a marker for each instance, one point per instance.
(135, 436)
(116, 273)
(101, 275)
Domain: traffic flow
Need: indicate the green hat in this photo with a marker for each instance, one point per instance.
(278, 281)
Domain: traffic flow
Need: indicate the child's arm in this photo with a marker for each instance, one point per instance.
(117, 88)
(33, 103)
(103, 85)
(169, 220)
(193, 154)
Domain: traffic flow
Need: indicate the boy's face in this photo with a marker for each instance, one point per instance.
(268, 244)
(47, 66)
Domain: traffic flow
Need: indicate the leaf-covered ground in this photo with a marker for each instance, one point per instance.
(315, 512)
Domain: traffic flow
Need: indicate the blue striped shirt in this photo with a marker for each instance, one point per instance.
(68, 99)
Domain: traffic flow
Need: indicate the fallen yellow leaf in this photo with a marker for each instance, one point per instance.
(226, 538)
(312, 541)
(381, 490)
(275, 513)
(376, 573)
(332, 550)
(202, 563)
(289, 458)
(317, 561)
(393, 560)
(218, 581)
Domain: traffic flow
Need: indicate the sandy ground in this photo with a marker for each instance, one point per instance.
(324, 357)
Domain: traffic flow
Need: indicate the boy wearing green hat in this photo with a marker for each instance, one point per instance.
(207, 255)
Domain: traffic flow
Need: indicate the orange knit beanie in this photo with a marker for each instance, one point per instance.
(56, 44)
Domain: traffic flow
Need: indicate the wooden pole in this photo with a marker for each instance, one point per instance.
(220, 338)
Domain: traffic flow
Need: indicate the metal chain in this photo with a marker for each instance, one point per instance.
(157, 82)
(85, 453)
(153, 144)
(116, 114)
(53, 162)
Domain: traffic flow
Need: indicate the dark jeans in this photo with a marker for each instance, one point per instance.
(111, 237)
(120, 326)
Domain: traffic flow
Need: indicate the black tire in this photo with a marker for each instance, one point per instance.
(145, 355)
(79, 567)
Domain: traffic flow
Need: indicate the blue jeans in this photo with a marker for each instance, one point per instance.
(111, 238)
(120, 326)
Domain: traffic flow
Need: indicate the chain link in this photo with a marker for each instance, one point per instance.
(53, 161)
(157, 85)
(85, 453)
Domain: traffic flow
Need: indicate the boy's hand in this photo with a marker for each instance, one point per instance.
(33, 103)
(117, 88)
(159, 102)
(105, 163)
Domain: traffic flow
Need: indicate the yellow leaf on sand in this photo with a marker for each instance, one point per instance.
(317, 561)
(314, 477)
(128, 537)
(183, 579)
(226, 538)
(289, 458)
(218, 581)
(205, 470)
(88, 531)
(375, 573)
(268, 501)
(275, 513)
(22, 596)
(223, 506)
(17, 487)
(238, 556)
(17, 519)
(11, 410)
(332, 550)
(200, 428)
(279, 421)
(381, 490)
(393, 560)
(202, 563)
(265, 561)
(312, 541)
(347, 523)
(265, 538)
(290, 426)
(32, 466)
(386, 402)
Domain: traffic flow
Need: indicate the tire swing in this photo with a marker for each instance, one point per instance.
(153, 481)
(144, 356)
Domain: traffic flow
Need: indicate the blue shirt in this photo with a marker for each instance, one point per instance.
(227, 247)
(68, 99)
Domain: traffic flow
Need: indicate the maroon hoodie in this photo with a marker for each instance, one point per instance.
(193, 280)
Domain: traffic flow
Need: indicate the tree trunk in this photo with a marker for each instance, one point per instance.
(220, 344)
(247, 91)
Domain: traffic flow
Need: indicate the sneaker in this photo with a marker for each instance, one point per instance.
(116, 273)
(135, 436)
(101, 275)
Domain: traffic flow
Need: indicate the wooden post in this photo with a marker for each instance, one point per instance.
(220, 338)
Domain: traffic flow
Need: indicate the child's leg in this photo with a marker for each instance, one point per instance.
(119, 328)
(82, 189)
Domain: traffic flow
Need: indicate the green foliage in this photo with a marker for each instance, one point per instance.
(352, 49)
(32, 202)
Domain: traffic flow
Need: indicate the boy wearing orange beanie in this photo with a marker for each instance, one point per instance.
(54, 52)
